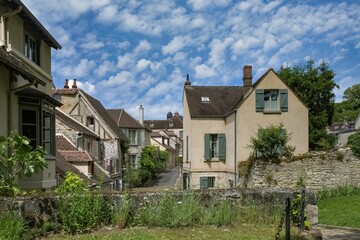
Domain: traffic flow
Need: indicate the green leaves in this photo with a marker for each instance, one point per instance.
(17, 158)
(354, 143)
(314, 86)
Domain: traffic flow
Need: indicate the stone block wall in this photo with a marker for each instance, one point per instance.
(316, 171)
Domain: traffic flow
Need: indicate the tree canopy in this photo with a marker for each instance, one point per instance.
(314, 85)
(348, 109)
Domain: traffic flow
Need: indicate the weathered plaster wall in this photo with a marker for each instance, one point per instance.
(316, 171)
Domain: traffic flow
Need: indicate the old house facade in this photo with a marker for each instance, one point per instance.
(26, 104)
(220, 120)
(91, 113)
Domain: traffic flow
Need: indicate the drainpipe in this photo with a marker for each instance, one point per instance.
(235, 147)
(2, 19)
(10, 93)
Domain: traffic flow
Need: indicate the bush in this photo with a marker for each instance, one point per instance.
(12, 226)
(354, 143)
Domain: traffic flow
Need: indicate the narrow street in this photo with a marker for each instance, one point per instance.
(168, 178)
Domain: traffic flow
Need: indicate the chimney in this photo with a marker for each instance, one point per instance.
(66, 83)
(141, 109)
(187, 82)
(247, 76)
(74, 84)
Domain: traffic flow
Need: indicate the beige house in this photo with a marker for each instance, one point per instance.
(220, 120)
(25, 70)
(90, 112)
(137, 133)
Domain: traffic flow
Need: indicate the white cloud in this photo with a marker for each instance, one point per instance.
(199, 4)
(218, 51)
(143, 47)
(175, 45)
(142, 64)
(108, 13)
(203, 71)
(104, 68)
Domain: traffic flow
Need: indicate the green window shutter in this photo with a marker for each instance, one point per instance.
(222, 146)
(203, 183)
(259, 100)
(284, 100)
(207, 146)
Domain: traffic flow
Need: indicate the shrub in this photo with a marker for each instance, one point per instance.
(354, 143)
(72, 183)
(12, 226)
(123, 216)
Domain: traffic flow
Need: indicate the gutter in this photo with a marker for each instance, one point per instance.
(235, 147)
(2, 19)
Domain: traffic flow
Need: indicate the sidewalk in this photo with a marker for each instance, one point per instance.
(338, 233)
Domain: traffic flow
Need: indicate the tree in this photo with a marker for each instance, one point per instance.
(17, 159)
(349, 108)
(271, 142)
(314, 86)
(354, 143)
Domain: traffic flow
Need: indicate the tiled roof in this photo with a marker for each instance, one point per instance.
(221, 99)
(75, 156)
(63, 144)
(177, 123)
(167, 147)
(74, 124)
(66, 91)
(347, 126)
(123, 119)
(99, 108)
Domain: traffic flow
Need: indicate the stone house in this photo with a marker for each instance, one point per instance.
(137, 133)
(90, 112)
(26, 104)
(343, 130)
(166, 141)
(173, 125)
(220, 120)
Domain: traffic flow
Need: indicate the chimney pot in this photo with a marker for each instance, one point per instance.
(74, 84)
(141, 108)
(66, 83)
(247, 76)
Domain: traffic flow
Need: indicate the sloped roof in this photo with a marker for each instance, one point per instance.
(123, 119)
(221, 99)
(347, 126)
(167, 147)
(19, 67)
(63, 144)
(31, 20)
(75, 156)
(177, 123)
(77, 126)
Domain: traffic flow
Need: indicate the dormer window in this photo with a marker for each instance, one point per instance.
(171, 123)
(32, 48)
(205, 99)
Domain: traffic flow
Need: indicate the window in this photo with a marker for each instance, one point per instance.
(37, 122)
(205, 99)
(132, 136)
(181, 134)
(207, 182)
(215, 147)
(271, 100)
(31, 48)
(89, 121)
(132, 161)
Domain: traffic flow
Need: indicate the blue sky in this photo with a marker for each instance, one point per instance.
(128, 52)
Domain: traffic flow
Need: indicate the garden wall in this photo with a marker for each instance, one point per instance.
(316, 171)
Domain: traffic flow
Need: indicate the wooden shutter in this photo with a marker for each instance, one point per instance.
(222, 146)
(283, 100)
(259, 100)
(207, 147)
(203, 183)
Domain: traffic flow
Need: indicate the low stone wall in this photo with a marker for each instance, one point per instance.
(38, 210)
(317, 171)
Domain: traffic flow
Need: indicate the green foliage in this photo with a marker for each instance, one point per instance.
(12, 226)
(218, 213)
(314, 86)
(18, 158)
(80, 213)
(271, 142)
(123, 216)
(339, 156)
(354, 143)
(72, 183)
(349, 108)
(346, 190)
(295, 211)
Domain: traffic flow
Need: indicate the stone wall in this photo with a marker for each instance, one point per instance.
(316, 171)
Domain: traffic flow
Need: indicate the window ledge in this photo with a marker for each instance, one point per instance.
(272, 112)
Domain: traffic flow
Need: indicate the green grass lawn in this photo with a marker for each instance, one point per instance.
(340, 211)
(244, 232)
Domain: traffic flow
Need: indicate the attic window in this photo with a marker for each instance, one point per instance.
(205, 99)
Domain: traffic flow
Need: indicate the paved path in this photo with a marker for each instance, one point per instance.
(339, 233)
(168, 178)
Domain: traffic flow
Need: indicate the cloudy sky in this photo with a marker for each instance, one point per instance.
(128, 52)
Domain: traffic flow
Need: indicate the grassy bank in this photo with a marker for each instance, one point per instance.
(340, 206)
